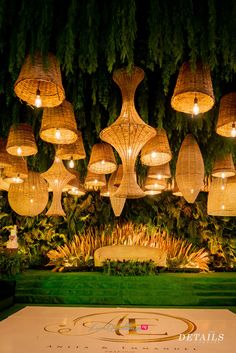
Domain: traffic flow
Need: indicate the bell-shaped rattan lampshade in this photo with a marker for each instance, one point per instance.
(59, 125)
(73, 151)
(43, 76)
(102, 159)
(57, 177)
(74, 186)
(222, 201)
(94, 181)
(193, 84)
(17, 172)
(117, 203)
(129, 133)
(159, 172)
(104, 192)
(226, 124)
(21, 141)
(4, 156)
(224, 167)
(157, 150)
(29, 198)
(190, 169)
(154, 184)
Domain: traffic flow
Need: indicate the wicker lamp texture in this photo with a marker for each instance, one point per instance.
(117, 203)
(154, 184)
(129, 133)
(74, 185)
(222, 202)
(21, 141)
(224, 167)
(157, 150)
(160, 171)
(4, 156)
(29, 198)
(227, 115)
(59, 125)
(102, 159)
(73, 151)
(57, 177)
(191, 84)
(43, 74)
(94, 180)
(190, 169)
(18, 169)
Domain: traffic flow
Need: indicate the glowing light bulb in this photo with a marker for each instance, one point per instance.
(95, 181)
(71, 163)
(222, 187)
(222, 207)
(159, 176)
(57, 159)
(19, 151)
(38, 100)
(233, 131)
(222, 175)
(17, 180)
(58, 134)
(56, 181)
(192, 190)
(33, 187)
(31, 200)
(129, 151)
(153, 154)
(103, 162)
(195, 106)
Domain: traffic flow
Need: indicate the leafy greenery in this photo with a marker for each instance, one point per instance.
(11, 263)
(129, 268)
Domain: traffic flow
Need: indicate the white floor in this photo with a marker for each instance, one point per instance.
(118, 330)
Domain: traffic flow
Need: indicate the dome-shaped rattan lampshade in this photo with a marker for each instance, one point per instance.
(74, 186)
(157, 150)
(224, 167)
(59, 125)
(17, 172)
(222, 201)
(154, 184)
(40, 76)
(29, 198)
(159, 172)
(21, 141)
(226, 124)
(117, 203)
(129, 133)
(102, 159)
(104, 192)
(94, 180)
(4, 156)
(57, 177)
(193, 86)
(73, 151)
(190, 169)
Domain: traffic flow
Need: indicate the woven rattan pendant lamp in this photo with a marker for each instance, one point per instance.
(57, 177)
(21, 141)
(29, 198)
(117, 203)
(190, 169)
(157, 150)
(129, 133)
(74, 186)
(4, 156)
(224, 167)
(17, 172)
(222, 202)
(102, 159)
(59, 125)
(159, 172)
(154, 184)
(94, 181)
(193, 93)
(73, 151)
(39, 82)
(226, 124)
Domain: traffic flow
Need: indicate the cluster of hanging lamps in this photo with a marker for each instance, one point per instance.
(39, 82)
(193, 93)
(129, 133)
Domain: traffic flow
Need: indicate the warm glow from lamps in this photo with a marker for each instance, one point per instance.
(38, 100)
(195, 106)
(71, 163)
(233, 131)
(19, 151)
(17, 180)
(58, 134)
(222, 175)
